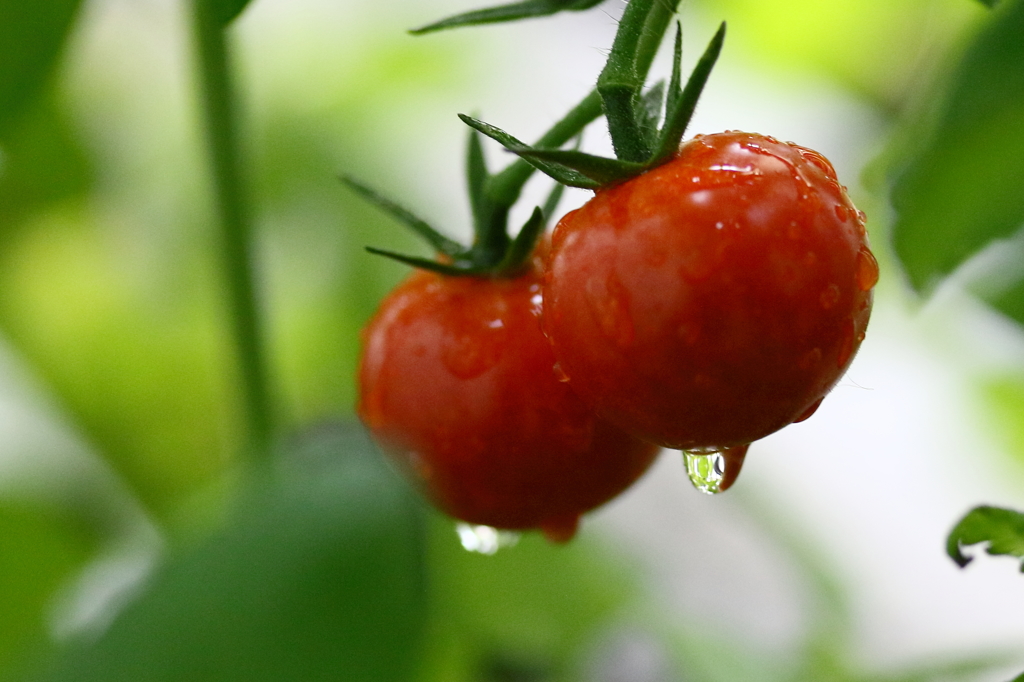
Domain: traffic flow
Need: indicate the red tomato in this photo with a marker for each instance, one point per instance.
(715, 299)
(457, 385)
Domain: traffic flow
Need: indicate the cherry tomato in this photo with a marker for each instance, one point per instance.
(457, 385)
(715, 299)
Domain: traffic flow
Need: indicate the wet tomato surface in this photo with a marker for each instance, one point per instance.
(715, 299)
(457, 386)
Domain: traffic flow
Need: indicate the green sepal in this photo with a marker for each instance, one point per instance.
(476, 178)
(522, 246)
(675, 83)
(561, 174)
(431, 265)
(437, 240)
(601, 170)
(649, 112)
(1002, 529)
(527, 9)
(678, 116)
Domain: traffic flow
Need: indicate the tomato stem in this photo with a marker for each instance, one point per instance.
(620, 83)
(235, 224)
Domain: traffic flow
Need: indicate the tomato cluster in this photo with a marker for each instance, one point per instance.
(702, 305)
(709, 294)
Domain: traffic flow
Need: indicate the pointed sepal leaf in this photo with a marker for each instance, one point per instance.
(476, 177)
(453, 270)
(560, 173)
(437, 240)
(678, 116)
(675, 83)
(649, 111)
(527, 9)
(601, 170)
(522, 246)
(1002, 529)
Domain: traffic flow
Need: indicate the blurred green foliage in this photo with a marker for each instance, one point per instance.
(961, 187)
(31, 37)
(316, 575)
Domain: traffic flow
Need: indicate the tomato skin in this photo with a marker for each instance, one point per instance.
(457, 386)
(715, 299)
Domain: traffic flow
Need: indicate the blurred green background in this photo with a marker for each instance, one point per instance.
(135, 546)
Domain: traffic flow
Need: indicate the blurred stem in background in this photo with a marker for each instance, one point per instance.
(235, 224)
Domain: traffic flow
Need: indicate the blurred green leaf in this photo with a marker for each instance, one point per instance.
(525, 9)
(1009, 301)
(41, 162)
(226, 11)
(40, 548)
(1002, 529)
(31, 37)
(961, 190)
(529, 607)
(879, 49)
(144, 374)
(316, 577)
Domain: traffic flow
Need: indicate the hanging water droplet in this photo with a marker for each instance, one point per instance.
(484, 539)
(714, 471)
(560, 530)
(867, 270)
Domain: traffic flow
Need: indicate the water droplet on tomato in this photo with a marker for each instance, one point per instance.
(560, 531)
(537, 305)
(830, 296)
(611, 308)
(713, 471)
(845, 344)
(484, 539)
(810, 359)
(842, 213)
(559, 372)
(809, 412)
(471, 351)
(867, 270)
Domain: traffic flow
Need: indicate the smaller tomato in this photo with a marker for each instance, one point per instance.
(714, 299)
(457, 385)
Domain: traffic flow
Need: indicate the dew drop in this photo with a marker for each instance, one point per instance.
(714, 471)
(809, 412)
(830, 296)
(561, 530)
(484, 539)
(867, 270)
(842, 213)
(845, 345)
(560, 373)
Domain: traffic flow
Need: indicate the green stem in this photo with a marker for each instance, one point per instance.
(505, 187)
(653, 31)
(236, 233)
(619, 83)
